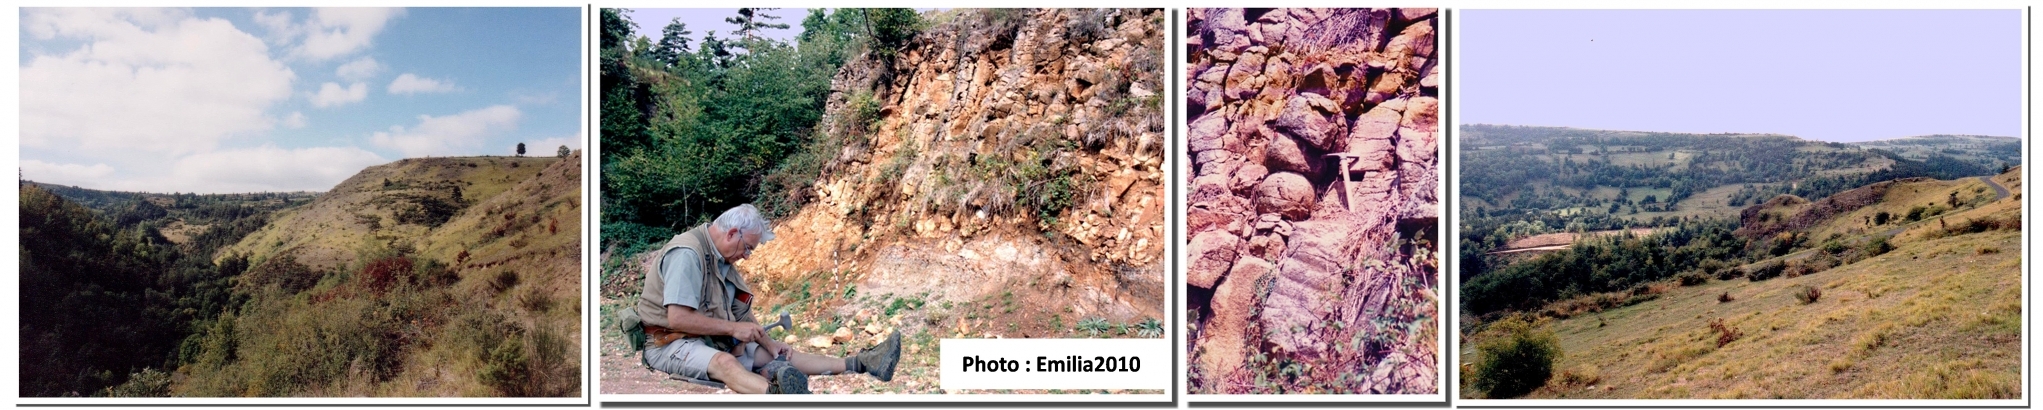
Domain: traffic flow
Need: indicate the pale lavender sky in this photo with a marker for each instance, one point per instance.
(1833, 75)
(701, 21)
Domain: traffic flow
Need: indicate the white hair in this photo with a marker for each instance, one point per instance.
(746, 219)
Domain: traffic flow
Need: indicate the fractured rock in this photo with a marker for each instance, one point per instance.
(1287, 194)
(1213, 254)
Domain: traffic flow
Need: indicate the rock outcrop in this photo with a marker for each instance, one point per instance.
(996, 148)
(1313, 136)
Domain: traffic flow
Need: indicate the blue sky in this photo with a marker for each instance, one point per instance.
(1832, 75)
(241, 100)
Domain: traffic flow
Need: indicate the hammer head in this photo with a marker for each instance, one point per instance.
(785, 323)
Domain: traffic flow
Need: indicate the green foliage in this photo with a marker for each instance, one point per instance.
(1600, 265)
(701, 134)
(1877, 246)
(1149, 328)
(81, 270)
(1765, 270)
(1093, 326)
(1515, 359)
(146, 383)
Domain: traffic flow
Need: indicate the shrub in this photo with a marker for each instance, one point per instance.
(1516, 360)
(1725, 297)
(1877, 246)
(1725, 333)
(505, 367)
(1808, 294)
(1882, 218)
(1693, 277)
(1764, 270)
(505, 280)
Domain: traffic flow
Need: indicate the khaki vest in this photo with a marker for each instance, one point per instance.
(652, 307)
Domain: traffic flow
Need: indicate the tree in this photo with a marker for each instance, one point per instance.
(563, 151)
(749, 21)
(521, 149)
(673, 43)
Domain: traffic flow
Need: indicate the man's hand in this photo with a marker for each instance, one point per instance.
(747, 332)
(776, 348)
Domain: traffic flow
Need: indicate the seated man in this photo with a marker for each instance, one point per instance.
(697, 311)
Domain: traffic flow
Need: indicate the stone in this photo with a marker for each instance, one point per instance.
(1287, 194)
(1208, 132)
(1212, 254)
(820, 342)
(1307, 278)
(1247, 177)
(1284, 154)
(1224, 340)
(843, 334)
(1243, 80)
(1312, 119)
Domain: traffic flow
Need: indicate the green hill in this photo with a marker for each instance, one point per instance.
(1924, 302)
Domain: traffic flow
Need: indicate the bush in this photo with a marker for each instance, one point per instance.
(1516, 360)
(1725, 297)
(1765, 270)
(1877, 246)
(1808, 294)
(1725, 333)
(1693, 277)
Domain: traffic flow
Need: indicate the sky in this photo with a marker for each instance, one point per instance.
(651, 22)
(1852, 75)
(218, 100)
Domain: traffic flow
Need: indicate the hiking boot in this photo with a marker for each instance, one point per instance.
(786, 379)
(879, 360)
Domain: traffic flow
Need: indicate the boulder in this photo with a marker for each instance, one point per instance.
(1312, 118)
(1208, 132)
(1213, 254)
(1287, 194)
(1284, 154)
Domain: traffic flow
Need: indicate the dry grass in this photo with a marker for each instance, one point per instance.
(1882, 329)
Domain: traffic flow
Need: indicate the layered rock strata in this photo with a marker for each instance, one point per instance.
(1313, 136)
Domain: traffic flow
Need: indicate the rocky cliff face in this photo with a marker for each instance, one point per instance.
(1000, 150)
(1313, 135)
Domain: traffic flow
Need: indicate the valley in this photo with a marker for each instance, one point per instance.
(1766, 294)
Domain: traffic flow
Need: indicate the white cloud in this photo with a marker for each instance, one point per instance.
(266, 168)
(332, 95)
(458, 134)
(360, 69)
(551, 146)
(336, 32)
(64, 174)
(145, 82)
(295, 120)
(413, 84)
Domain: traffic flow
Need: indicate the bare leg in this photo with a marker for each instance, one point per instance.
(816, 364)
(725, 368)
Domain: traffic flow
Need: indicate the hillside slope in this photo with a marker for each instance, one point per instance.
(423, 277)
(1937, 316)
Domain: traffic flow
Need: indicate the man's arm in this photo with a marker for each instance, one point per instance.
(686, 320)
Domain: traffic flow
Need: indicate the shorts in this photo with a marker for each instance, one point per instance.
(689, 357)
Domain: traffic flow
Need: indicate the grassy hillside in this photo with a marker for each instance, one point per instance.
(1983, 151)
(423, 277)
(1935, 312)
